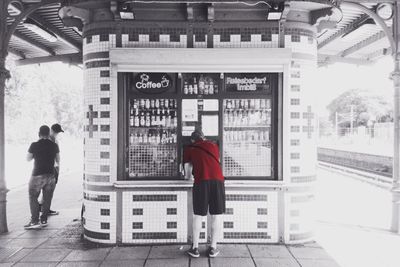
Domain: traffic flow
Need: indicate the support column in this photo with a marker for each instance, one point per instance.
(396, 114)
(4, 75)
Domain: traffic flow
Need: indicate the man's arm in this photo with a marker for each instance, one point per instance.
(29, 156)
(57, 161)
(188, 170)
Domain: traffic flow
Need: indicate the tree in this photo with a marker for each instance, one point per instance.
(367, 106)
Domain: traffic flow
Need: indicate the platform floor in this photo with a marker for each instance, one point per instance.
(352, 222)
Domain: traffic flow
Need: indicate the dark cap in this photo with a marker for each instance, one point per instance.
(57, 128)
(44, 131)
(197, 135)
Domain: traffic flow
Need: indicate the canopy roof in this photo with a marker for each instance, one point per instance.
(355, 39)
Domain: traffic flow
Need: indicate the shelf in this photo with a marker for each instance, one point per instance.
(245, 127)
(153, 127)
(247, 109)
(149, 144)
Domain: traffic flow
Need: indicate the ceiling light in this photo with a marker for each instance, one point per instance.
(385, 11)
(276, 10)
(125, 11)
(39, 30)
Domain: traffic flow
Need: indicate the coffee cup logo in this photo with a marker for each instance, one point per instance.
(152, 83)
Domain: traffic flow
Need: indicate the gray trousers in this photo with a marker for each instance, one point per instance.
(45, 183)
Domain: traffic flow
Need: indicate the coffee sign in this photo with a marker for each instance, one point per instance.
(247, 82)
(152, 83)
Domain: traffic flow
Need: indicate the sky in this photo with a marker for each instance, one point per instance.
(337, 78)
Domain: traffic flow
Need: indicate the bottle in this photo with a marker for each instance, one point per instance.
(206, 86)
(257, 103)
(190, 91)
(162, 103)
(215, 88)
(153, 119)
(147, 119)
(135, 104)
(162, 118)
(136, 121)
(152, 104)
(140, 138)
(147, 103)
(141, 103)
(166, 103)
(201, 84)
(185, 88)
(131, 118)
(195, 86)
(131, 138)
(211, 87)
(142, 120)
(157, 103)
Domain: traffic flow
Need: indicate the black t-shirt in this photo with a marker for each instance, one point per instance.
(44, 153)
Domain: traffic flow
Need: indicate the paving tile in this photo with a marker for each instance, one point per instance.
(234, 251)
(79, 264)
(8, 264)
(128, 253)
(301, 252)
(318, 263)
(18, 255)
(269, 251)
(4, 241)
(232, 262)
(26, 242)
(168, 252)
(123, 263)
(275, 262)
(46, 255)
(38, 234)
(199, 262)
(70, 243)
(35, 264)
(182, 262)
(12, 234)
(7, 252)
(96, 254)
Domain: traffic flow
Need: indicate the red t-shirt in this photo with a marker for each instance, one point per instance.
(205, 167)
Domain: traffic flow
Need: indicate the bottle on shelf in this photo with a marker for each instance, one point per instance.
(185, 88)
(195, 86)
(211, 87)
(190, 91)
(201, 84)
(152, 104)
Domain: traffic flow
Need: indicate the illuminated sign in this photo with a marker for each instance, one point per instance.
(247, 82)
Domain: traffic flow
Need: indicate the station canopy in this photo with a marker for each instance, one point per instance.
(42, 37)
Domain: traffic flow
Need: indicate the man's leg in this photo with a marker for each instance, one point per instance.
(216, 229)
(48, 190)
(35, 185)
(197, 219)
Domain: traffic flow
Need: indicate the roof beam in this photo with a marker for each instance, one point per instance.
(379, 53)
(49, 27)
(324, 59)
(34, 43)
(60, 35)
(364, 43)
(73, 59)
(16, 52)
(348, 28)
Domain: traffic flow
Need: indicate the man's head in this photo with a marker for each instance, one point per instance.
(197, 135)
(44, 131)
(56, 129)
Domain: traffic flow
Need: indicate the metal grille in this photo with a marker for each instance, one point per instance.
(247, 135)
(153, 138)
(153, 160)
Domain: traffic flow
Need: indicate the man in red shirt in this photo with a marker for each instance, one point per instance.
(202, 159)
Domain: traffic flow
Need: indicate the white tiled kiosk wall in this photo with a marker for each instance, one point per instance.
(154, 217)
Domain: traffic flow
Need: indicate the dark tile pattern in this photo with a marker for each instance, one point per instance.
(105, 141)
(97, 235)
(97, 64)
(94, 197)
(262, 211)
(137, 211)
(104, 225)
(136, 198)
(171, 211)
(154, 235)
(105, 212)
(246, 235)
(137, 225)
(172, 225)
(104, 73)
(240, 197)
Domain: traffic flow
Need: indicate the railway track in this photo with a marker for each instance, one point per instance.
(373, 169)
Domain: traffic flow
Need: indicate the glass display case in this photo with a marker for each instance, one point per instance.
(153, 137)
(247, 137)
(234, 110)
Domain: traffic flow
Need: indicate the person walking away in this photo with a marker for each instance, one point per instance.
(202, 158)
(44, 153)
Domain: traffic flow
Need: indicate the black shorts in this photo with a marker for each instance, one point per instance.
(210, 193)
